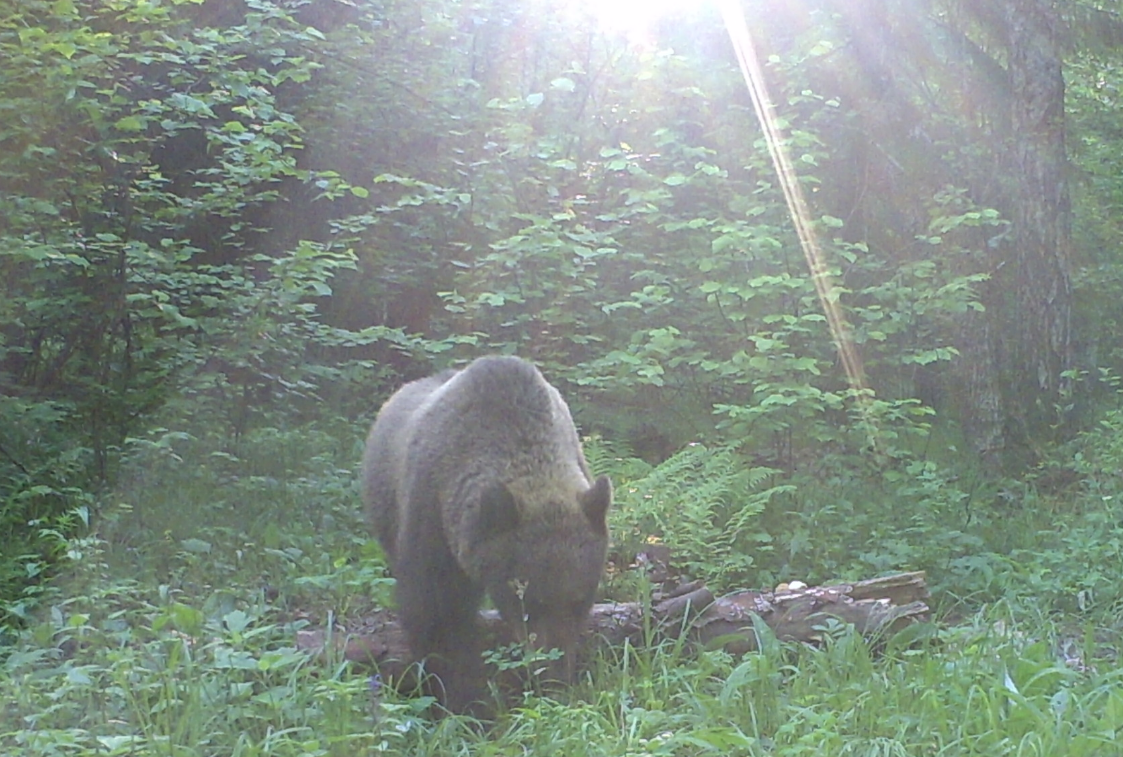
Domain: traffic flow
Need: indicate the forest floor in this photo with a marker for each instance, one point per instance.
(173, 632)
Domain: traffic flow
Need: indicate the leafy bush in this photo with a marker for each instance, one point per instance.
(128, 191)
(46, 497)
(149, 144)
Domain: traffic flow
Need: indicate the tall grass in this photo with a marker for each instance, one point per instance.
(174, 635)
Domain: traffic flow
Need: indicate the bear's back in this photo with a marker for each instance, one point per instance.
(498, 419)
(385, 456)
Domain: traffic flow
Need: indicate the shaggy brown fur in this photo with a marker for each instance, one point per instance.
(475, 482)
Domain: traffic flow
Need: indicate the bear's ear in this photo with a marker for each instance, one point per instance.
(498, 511)
(595, 503)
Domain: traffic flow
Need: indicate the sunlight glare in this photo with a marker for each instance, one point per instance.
(636, 18)
(632, 16)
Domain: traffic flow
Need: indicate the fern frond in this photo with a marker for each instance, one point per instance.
(613, 459)
(701, 502)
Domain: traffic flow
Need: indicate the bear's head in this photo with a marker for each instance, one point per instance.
(541, 566)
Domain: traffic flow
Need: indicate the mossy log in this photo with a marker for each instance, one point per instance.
(877, 608)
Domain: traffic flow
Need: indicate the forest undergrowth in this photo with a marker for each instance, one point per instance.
(172, 630)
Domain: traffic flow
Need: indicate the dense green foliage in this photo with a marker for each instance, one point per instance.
(228, 229)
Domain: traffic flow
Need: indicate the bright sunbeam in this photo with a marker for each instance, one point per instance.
(840, 328)
(635, 18)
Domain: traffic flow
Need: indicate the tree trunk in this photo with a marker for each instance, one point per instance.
(976, 371)
(1040, 305)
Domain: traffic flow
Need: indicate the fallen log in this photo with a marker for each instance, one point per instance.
(877, 608)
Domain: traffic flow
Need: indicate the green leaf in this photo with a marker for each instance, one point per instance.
(130, 744)
(362, 192)
(190, 104)
(196, 545)
(236, 621)
(130, 123)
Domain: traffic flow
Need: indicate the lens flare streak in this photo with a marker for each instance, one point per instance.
(840, 328)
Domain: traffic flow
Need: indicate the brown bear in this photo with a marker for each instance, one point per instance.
(474, 481)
